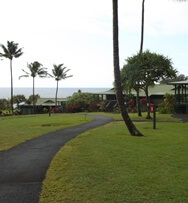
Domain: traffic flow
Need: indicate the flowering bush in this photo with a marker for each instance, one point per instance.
(143, 100)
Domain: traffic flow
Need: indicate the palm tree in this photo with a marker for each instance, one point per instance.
(140, 52)
(10, 52)
(35, 69)
(119, 95)
(59, 73)
(141, 47)
(142, 27)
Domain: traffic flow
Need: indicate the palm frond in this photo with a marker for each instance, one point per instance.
(26, 76)
(25, 71)
(6, 52)
(11, 50)
(69, 76)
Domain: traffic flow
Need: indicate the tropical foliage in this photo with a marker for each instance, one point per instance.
(180, 77)
(4, 104)
(30, 99)
(81, 102)
(11, 51)
(142, 71)
(17, 99)
(35, 69)
(59, 73)
(167, 107)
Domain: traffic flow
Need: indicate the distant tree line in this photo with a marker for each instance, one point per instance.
(17, 100)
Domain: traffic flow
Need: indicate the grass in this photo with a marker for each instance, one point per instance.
(17, 129)
(108, 165)
(135, 117)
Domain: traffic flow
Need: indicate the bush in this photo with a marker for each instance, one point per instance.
(167, 107)
(81, 102)
(45, 110)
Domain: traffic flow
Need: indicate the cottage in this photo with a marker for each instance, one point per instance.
(156, 94)
(42, 104)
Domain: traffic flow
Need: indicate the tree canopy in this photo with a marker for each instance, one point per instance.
(80, 101)
(17, 99)
(11, 51)
(179, 77)
(30, 100)
(144, 70)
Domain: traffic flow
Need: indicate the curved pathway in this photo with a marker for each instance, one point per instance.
(23, 168)
(183, 117)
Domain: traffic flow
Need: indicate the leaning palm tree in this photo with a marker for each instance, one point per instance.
(10, 52)
(35, 69)
(119, 95)
(59, 73)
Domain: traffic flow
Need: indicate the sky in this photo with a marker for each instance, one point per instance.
(78, 34)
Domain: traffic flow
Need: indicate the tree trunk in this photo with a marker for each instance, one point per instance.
(142, 28)
(148, 104)
(56, 95)
(119, 95)
(141, 50)
(11, 75)
(138, 104)
(33, 95)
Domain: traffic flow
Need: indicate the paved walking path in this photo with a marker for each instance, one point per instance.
(183, 117)
(23, 168)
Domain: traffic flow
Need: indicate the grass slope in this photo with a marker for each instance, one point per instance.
(108, 165)
(17, 129)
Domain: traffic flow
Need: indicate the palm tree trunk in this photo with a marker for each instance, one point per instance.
(142, 28)
(119, 95)
(141, 50)
(56, 94)
(11, 75)
(33, 95)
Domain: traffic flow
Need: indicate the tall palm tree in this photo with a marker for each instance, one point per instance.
(10, 52)
(35, 69)
(140, 52)
(142, 27)
(59, 73)
(141, 47)
(119, 95)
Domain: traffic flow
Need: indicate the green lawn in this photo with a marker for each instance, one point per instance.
(17, 129)
(135, 117)
(108, 165)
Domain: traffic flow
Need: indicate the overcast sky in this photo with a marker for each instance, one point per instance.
(79, 34)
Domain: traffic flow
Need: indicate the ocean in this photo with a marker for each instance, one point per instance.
(47, 92)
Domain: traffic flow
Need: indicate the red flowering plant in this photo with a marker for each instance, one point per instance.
(143, 100)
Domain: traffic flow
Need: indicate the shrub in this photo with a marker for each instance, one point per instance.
(167, 107)
(81, 102)
(45, 110)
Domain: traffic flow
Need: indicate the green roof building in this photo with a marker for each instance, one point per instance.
(181, 96)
